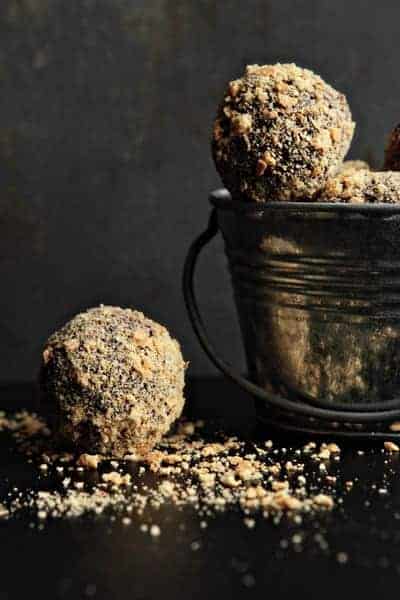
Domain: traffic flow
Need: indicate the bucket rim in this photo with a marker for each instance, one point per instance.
(222, 200)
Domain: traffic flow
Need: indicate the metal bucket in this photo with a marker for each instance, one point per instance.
(317, 290)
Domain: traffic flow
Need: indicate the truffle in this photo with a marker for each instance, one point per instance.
(112, 381)
(362, 187)
(392, 151)
(280, 132)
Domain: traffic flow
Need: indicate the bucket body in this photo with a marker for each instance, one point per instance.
(317, 289)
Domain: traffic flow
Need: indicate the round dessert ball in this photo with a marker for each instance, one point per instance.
(392, 151)
(112, 381)
(362, 187)
(280, 132)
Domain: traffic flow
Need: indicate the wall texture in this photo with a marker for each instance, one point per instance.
(105, 113)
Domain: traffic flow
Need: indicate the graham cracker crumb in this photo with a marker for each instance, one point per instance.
(155, 531)
(289, 114)
(89, 461)
(391, 447)
(116, 479)
(119, 368)
(324, 501)
(209, 474)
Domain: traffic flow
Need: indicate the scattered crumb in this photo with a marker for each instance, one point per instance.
(211, 474)
(114, 478)
(324, 501)
(250, 523)
(196, 545)
(342, 557)
(89, 461)
(297, 539)
(391, 447)
(155, 531)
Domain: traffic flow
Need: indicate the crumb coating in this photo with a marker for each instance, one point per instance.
(112, 381)
(362, 187)
(280, 132)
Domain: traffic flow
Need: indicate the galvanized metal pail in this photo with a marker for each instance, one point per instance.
(317, 289)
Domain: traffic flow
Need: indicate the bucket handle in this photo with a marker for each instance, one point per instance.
(299, 407)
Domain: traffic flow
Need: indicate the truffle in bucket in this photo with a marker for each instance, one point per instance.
(280, 132)
(112, 381)
(313, 252)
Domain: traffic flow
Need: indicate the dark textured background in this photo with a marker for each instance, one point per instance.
(105, 112)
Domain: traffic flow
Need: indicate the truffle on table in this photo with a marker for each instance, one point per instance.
(112, 381)
(280, 132)
(362, 187)
(392, 151)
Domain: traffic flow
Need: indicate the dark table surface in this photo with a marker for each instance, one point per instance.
(93, 557)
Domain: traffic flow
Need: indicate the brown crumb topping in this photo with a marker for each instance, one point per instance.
(189, 469)
(362, 187)
(89, 461)
(115, 478)
(280, 132)
(112, 381)
(391, 447)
